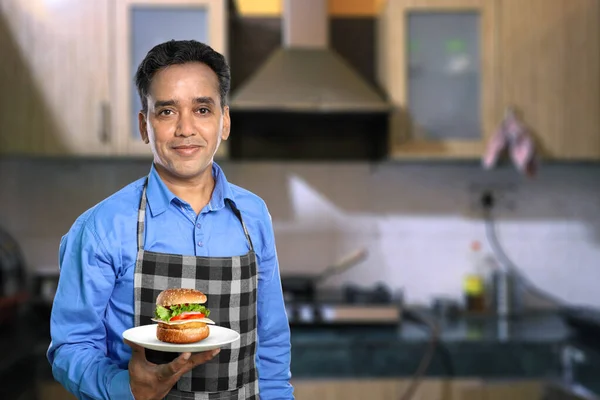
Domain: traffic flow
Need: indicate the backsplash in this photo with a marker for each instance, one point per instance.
(414, 219)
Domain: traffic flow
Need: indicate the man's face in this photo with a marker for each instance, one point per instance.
(185, 122)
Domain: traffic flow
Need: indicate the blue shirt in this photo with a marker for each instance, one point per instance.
(94, 300)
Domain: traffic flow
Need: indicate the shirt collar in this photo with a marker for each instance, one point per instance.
(160, 197)
(222, 189)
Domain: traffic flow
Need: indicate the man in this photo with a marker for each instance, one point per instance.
(183, 225)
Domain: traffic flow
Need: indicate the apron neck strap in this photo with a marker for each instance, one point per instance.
(239, 216)
(141, 221)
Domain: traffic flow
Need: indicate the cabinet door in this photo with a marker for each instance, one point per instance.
(384, 389)
(513, 389)
(549, 71)
(142, 24)
(437, 60)
(358, 389)
(54, 78)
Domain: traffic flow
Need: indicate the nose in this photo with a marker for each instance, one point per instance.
(185, 125)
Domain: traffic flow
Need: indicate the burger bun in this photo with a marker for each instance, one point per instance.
(172, 297)
(191, 332)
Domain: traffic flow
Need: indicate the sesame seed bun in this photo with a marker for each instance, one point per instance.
(171, 297)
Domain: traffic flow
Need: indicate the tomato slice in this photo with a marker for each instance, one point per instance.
(194, 316)
(190, 315)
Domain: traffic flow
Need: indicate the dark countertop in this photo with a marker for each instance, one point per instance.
(527, 347)
(586, 372)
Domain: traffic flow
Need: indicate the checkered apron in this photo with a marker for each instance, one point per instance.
(230, 284)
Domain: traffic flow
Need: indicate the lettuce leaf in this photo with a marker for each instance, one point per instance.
(165, 314)
(162, 313)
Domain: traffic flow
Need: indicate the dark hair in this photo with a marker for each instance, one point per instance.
(180, 52)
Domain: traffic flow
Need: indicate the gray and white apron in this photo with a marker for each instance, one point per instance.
(230, 284)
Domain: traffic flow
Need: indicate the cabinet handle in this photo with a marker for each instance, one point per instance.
(104, 122)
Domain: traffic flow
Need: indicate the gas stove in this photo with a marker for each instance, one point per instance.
(308, 303)
(346, 306)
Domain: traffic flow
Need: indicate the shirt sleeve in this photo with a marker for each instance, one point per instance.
(274, 347)
(78, 350)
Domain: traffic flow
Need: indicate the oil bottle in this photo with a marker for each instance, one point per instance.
(474, 284)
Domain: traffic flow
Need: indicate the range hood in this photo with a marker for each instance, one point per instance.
(305, 75)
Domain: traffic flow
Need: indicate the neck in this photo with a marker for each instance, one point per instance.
(196, 191)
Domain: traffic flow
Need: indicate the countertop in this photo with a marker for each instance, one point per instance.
(527, 347)
(524, 348)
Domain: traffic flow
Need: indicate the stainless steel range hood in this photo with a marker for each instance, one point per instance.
(305, 75)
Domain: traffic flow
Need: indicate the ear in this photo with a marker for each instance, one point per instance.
(226, 123)
(143, 127)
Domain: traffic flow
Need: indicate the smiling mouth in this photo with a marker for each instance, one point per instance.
(187, 150)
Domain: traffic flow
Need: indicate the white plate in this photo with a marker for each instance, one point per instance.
(145, 336)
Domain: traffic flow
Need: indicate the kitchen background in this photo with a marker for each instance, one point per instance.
(401, 184)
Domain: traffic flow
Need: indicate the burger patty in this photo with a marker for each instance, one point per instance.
(187, 325)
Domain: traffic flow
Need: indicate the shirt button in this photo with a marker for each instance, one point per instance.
(198, 225)
(200, 244)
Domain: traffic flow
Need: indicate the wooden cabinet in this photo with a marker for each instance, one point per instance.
(54, 78)
(383, 389)
(67, 70)
(549, 70)
(452, 68)
(374, 389)
(428, 389)
(437, 61)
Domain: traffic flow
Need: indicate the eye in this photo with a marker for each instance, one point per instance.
(165, 112)
(203, 110)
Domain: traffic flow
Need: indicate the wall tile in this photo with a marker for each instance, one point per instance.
(413, 218)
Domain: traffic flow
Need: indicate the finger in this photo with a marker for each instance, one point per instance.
(184, 363)
(169, 370)
(201, 358)
(196, 359)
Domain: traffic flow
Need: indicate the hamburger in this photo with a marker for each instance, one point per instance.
(181, 316)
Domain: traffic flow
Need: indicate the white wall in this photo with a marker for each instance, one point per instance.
(415, 219)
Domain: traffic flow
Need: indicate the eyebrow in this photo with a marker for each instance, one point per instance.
(164, 103)
(205, 100)
(198, 100)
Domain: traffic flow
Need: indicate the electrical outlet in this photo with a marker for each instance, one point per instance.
(503, 196)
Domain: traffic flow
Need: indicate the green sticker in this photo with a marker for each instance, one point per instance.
(455, 46)
(413, 46)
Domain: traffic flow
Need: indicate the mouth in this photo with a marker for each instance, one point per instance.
(187, 150)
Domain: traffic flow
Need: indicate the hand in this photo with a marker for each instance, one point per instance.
(153, 381)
